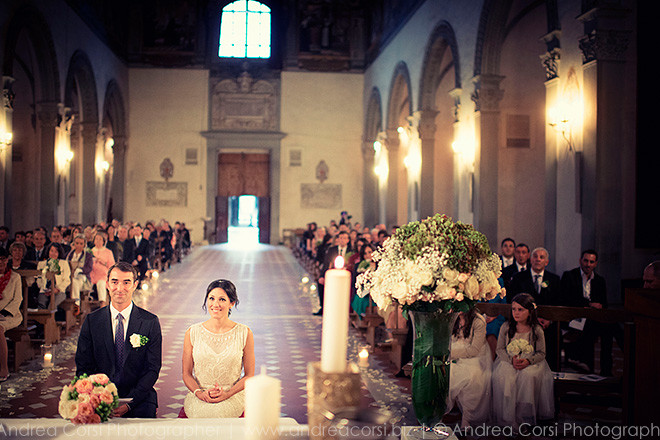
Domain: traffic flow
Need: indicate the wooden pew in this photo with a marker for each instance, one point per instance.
(46, 317)
(609, 391)
(19, 336)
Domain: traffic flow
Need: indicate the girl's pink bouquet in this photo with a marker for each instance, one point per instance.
(88, 399)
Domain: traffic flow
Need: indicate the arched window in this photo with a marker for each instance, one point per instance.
(245, 30)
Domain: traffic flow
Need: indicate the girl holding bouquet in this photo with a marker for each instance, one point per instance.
(522, 380)
(470, 373)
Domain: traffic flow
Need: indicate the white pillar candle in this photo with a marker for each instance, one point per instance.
(262, 406)
(334, 336)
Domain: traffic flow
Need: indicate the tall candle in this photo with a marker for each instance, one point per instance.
(262, 406)
(334, 336)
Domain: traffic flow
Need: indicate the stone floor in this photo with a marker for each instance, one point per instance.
(278, 307)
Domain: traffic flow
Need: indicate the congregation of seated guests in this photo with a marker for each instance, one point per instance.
(75, 258)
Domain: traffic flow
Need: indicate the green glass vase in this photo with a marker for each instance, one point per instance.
(430, 370)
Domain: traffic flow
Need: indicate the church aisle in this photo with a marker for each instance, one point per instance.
(272, 303)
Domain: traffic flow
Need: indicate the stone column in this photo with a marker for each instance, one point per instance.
(47, 113)
(603, 48)
(369, 185)
(392, 201)
(7, 103)
(88, 160)
(426, 128)
(118, 177)
(487, 97)
(550, 61)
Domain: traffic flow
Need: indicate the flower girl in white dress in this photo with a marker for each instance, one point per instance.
(470, 373)
(522, 380)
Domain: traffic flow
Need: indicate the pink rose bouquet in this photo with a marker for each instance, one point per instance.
(88, 399)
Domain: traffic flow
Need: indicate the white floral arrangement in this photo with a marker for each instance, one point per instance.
(137, 340)
(432, 263)
(519, 347)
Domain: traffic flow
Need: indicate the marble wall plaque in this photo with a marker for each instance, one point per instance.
(167, 194)
(320, 195)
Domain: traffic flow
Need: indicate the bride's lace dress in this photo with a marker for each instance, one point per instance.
(218, 358)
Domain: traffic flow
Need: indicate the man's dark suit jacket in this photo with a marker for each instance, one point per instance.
(31, 254)
(132, 250)
(96, 354)
(523, 282)
(508, 273)
(571, 287)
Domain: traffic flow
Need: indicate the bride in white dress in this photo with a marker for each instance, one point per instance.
(214, 353)
(470, 373)
(522, 384)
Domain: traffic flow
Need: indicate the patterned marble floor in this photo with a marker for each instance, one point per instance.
(274, 303)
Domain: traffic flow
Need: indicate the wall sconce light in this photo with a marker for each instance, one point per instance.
(102, 166)
(565, 116)
(561, 123)
(5, 140)
(381, 170)
(63, 156)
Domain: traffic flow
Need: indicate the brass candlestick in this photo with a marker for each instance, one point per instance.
(328, 394)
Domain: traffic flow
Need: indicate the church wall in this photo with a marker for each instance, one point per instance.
(66, 34)
(522, 169)
(169, 110)
(321, 117)
(409, 46)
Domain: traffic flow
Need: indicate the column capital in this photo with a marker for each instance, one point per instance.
(605, 35)
(391, 140)
(48, 114)
(487, 93)
(425, 123)
(8, 92)
(550, 61)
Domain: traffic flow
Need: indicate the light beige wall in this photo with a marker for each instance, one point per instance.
(322, 116)
(169, 109)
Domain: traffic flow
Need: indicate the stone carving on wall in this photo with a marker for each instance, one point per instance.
(317, 195)
(173, 194)
(166, 169)
(322, 171)
(243, 104)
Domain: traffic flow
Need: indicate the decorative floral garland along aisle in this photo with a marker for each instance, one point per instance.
(434, 269)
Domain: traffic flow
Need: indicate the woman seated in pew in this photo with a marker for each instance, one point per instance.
(84, 263)
(103, 260)
(360, 304)
(470, 373)
(54, 279)
(17, 250)
(11, 296)
(522, 379)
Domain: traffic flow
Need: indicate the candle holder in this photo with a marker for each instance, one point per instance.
(363, 351)
(328, 394)
(47, 355)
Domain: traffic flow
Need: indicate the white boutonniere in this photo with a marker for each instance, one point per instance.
(138, 341)
(544, 285)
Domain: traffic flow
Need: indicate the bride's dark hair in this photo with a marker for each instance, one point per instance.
(225, 285)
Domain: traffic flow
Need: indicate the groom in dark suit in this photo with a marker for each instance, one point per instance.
(124, 342)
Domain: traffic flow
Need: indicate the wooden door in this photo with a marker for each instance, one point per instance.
(243, 174)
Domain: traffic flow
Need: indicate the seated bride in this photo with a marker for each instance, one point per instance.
(214, 353)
